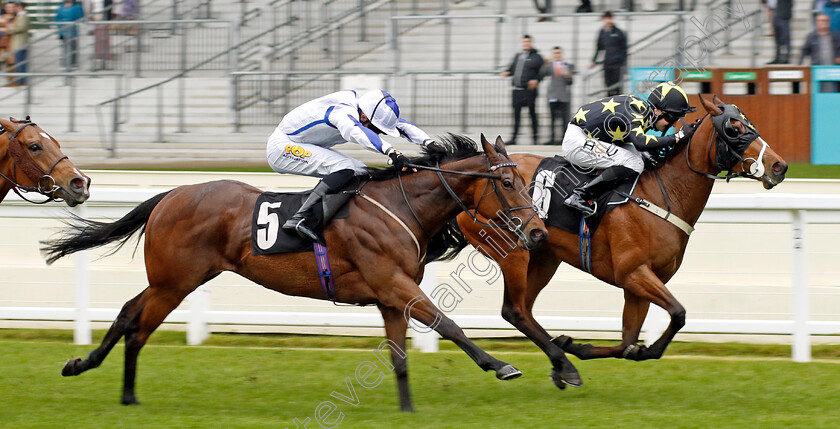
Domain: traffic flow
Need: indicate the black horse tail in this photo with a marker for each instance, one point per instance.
(447, 243)
(85, 234)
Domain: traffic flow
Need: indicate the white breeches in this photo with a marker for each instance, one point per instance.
(287, 156)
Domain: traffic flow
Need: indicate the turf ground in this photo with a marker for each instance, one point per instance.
(268, 383)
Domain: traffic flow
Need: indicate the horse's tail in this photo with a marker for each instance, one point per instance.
(447, 243)
(85, 234)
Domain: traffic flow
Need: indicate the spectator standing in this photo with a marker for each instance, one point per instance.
(559, 92)
(613, 42)
(69, 12)
(525, 69)
(823, 46)
(781, 31)
(6, 55)
(19, 29)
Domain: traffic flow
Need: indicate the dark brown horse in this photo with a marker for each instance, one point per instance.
(632, 248)
(195, 232)
(31, 161)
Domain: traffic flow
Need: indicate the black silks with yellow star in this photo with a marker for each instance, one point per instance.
(621, 119)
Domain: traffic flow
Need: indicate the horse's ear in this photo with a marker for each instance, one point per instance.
(709, 106)
(716, 100)
(489, 150)
(6, 124)
(500, 145)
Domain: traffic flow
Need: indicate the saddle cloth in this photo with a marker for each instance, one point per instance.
(554, 180)
(271, 211)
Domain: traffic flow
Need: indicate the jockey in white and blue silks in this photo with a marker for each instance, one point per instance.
(301, 143)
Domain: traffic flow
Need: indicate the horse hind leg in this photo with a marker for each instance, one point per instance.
(395, 331)
(158, 303)
(129, 312)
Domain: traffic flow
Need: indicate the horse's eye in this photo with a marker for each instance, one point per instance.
(507, 183)
(34, 147)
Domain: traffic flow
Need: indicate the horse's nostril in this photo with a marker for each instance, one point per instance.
(538, 235)
(780, 168)
(78, 184)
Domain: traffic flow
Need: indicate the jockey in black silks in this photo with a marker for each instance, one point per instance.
(609, 133)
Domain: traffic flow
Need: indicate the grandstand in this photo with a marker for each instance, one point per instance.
(205, 82)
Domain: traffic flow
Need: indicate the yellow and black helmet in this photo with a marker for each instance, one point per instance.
(669, 97)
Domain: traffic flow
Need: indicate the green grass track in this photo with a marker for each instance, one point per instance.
(229, 386)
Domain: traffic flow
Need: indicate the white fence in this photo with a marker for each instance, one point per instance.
(761, 263)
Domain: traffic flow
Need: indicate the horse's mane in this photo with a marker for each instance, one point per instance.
(449, 147)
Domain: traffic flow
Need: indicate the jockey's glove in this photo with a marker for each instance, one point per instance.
(431, 142)
(398, 159)
(687, 131)
(649, 160)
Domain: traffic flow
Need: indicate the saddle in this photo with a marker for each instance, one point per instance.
(272, 209)
(554, 180)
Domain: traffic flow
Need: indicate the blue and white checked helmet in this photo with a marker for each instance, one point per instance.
(382, 110)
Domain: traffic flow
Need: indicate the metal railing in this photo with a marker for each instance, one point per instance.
(457, 100)
(262, 98)
(160, 46)
(31, 93)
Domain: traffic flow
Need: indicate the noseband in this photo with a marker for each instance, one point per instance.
(511, 223)
(44, 185)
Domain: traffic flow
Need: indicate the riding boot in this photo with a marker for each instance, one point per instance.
(582, 197)
(301, 221)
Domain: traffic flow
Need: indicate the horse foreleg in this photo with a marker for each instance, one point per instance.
(157, 305)
(420, 309)
(520, 293)
(648, 287)
(129, 312)
(395, 330)
(640, 289)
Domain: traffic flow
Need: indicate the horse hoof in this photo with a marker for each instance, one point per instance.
(563, 379)
(70, 367)
(562, 341)
(508, 372)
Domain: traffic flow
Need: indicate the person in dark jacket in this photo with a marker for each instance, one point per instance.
(781, 31)
(823, 46)
(525, 69)
(613, 42)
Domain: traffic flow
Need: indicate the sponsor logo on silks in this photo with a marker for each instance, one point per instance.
(297, 152)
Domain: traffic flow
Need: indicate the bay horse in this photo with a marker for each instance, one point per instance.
(31, 161)
(632, 248)
(195, 232)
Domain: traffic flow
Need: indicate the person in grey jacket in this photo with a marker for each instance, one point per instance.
(559, 92)
(823, 46)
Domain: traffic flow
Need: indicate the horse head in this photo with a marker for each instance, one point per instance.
(739, 149)
(513, 207)
(37, 164)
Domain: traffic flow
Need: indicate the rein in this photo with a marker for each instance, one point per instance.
(47, 188)
(514, 224)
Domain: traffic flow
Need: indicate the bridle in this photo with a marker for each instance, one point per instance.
(512, 223)
(756, 168)
(45, 184)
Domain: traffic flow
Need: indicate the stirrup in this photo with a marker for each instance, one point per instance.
(305, 232)
(576, 202)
